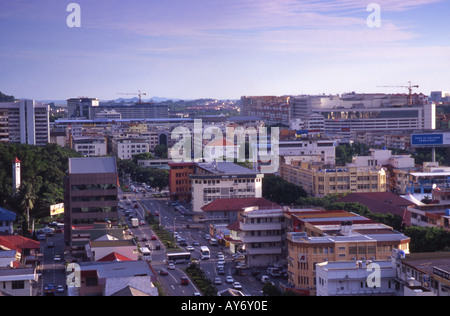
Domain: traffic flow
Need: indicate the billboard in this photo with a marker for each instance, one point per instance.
(56, 209)
(430, 139)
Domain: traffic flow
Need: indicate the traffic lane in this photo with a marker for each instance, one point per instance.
(172, 281)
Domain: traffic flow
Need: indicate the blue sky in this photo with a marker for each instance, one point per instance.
(221, 49)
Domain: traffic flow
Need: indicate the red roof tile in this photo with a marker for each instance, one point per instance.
(17, 242)
(114, 256)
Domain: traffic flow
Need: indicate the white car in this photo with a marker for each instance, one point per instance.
(171, 266)
(190, 248)
(229, 279)
(237, 285)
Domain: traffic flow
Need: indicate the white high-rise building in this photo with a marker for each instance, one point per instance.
(25, 122)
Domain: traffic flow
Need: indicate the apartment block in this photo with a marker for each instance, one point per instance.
(80, 107)
(319, 181)
(24, 122)
(222, 180)
(322, 236)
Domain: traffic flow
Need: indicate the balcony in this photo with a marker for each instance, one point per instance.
(260, 226)
(264, 251)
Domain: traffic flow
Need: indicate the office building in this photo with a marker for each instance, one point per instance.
(90, 197)
(24, 122)
(272, 109)
(80, 107)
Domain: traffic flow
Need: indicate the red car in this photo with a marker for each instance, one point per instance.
(184, 281)
(153, 237)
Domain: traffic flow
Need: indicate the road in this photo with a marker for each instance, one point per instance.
(174, 221)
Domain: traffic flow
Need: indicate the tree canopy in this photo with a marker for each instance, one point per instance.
(43, 169)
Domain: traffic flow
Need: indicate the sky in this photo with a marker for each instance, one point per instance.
(221, 49)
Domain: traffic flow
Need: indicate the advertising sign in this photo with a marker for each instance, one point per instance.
(431, 139)
(56, 209)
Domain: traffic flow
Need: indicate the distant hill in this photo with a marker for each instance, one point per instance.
(6, 98)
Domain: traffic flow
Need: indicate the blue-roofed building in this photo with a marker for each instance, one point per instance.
(7, 218)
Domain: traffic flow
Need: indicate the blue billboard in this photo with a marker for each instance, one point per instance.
(427, 139)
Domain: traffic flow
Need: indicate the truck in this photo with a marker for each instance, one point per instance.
(134, 222)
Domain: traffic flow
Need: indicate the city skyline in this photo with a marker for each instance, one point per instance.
(196, 49)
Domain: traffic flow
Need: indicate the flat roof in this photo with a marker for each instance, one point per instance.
(92, 165)
(225, 168)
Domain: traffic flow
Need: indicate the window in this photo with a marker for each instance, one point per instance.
(18, 285)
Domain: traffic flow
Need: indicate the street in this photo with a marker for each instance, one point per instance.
(174, 221)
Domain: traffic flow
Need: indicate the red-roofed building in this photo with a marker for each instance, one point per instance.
(114, 256)
(382, 203)
(27, 248)
(229, 210)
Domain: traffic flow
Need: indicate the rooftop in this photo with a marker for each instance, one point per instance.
(7, 216)
(92, 165)
(225, 168)
(237, 204)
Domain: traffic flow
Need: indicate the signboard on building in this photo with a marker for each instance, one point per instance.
(430, 140)
(56, 209)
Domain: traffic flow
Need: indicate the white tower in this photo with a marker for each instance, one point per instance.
(16, 174)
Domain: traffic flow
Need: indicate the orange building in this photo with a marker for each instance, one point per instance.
(179, 182)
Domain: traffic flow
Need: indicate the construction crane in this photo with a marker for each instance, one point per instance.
(409, 87)
(140, 94)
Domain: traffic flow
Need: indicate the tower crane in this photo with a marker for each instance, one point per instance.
(140, 94)
(410, 87)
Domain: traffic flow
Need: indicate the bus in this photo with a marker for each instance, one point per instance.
(146, 254)
(178, 257)
(206, 254)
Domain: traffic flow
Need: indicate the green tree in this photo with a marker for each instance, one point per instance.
(280, 191)
(27, 197)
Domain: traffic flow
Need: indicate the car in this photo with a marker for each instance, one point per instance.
(57, 258)
(171, 266)
(237, 285)
(153, 237)
(60, 289)
(156, 213)
(157, 247)
(217, 281)
(142, 222)
(195, 243)
(220, 271)
(229, 279)
(184, 281)
(207, 236)
(163, 272)
(189, 248)
(49, 290)
(144, 239)
(221, 263)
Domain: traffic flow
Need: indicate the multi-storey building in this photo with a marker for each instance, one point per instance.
(90, 146)
(25, 122)
(319, 181)
(125, 148)
(221, 180)
(90, 197)
(179, 181)
(271, 109)
(321, 236)
(80, 107)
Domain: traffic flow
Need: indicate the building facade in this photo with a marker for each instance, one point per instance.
(90, 197)
(223, 180)
(24, 122)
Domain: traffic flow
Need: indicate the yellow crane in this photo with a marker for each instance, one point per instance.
(140, 94)
(410, 87)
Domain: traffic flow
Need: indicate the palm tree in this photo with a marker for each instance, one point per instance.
(27, 199)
